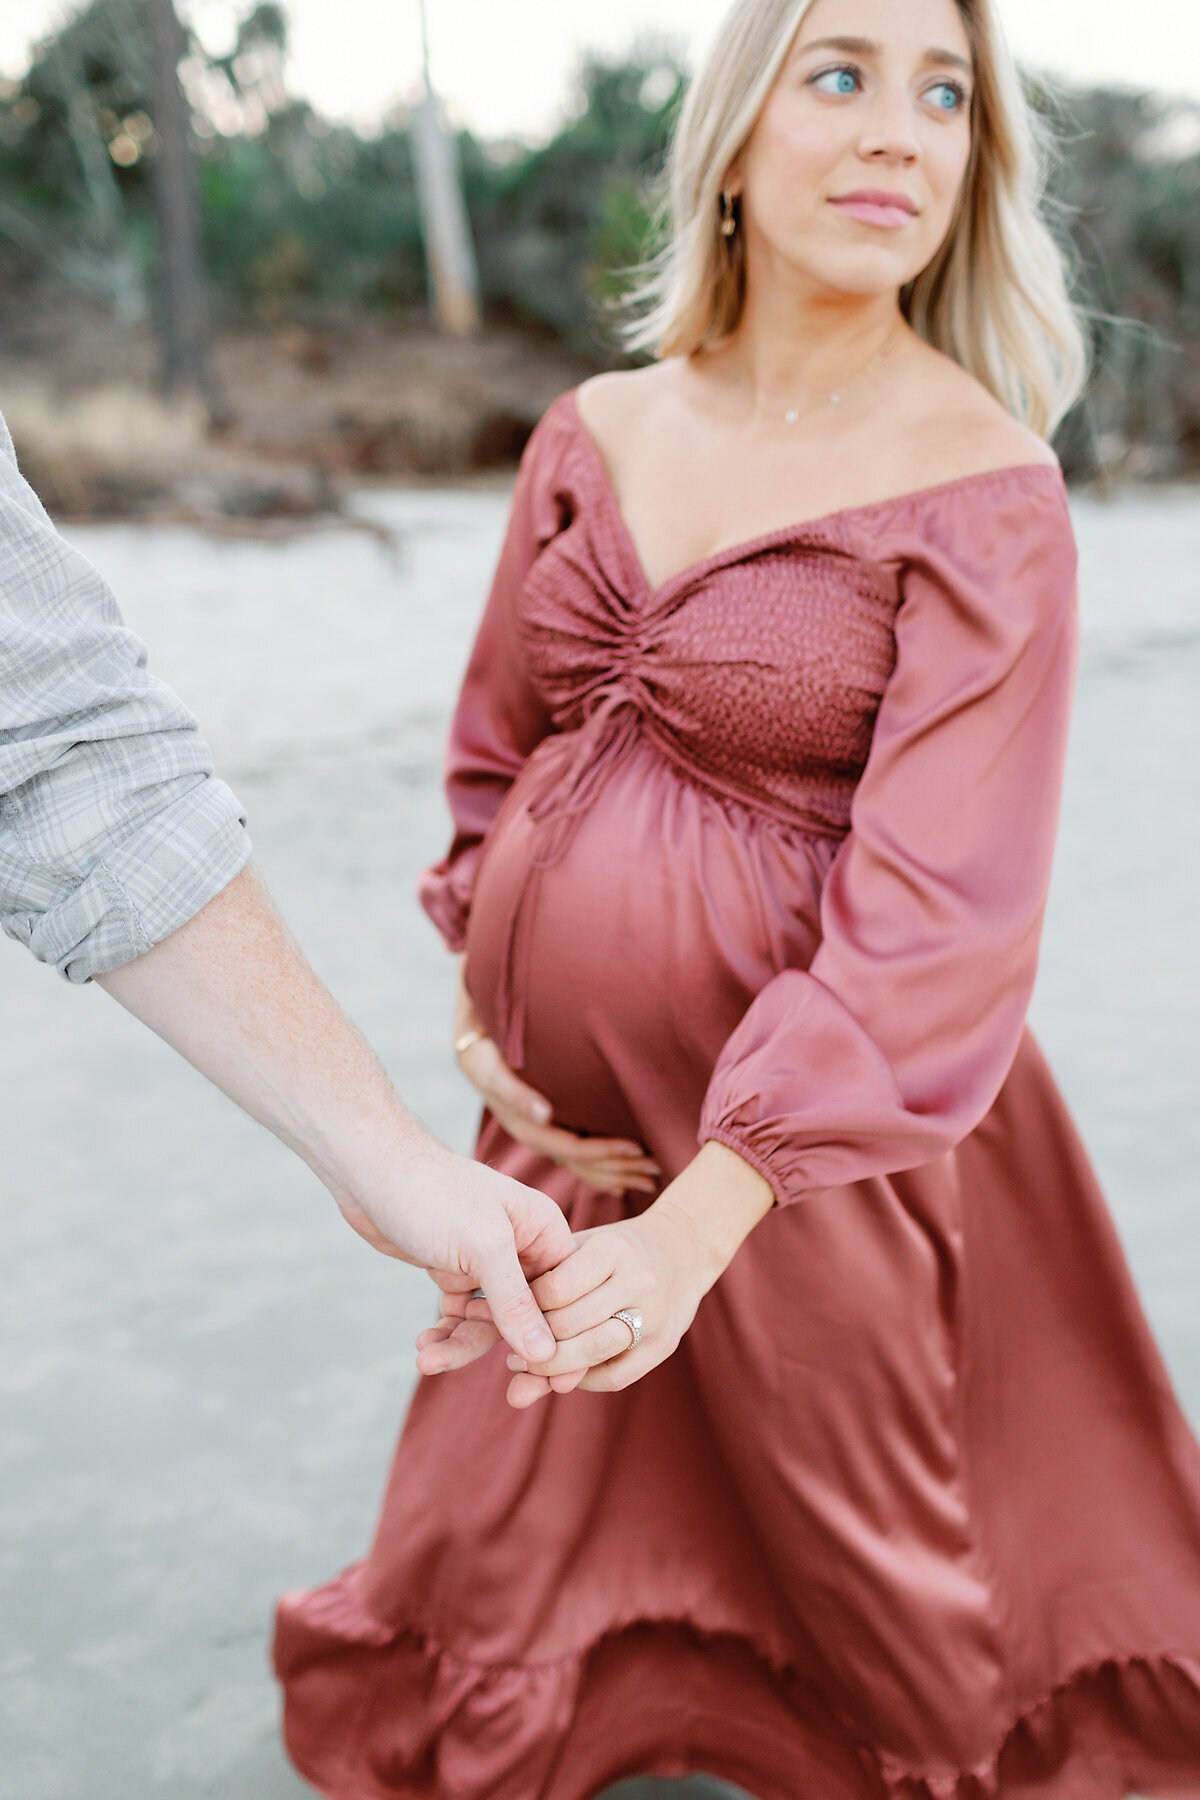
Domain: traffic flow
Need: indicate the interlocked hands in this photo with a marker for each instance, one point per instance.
(659, 1263)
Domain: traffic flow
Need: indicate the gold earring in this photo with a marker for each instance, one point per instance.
(729, 222)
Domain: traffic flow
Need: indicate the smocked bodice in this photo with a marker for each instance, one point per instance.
(760, 669)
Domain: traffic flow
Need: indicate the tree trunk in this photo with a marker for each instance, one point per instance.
(182, 299)
(449, 252)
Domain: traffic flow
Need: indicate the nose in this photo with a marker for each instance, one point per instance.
(890, 134)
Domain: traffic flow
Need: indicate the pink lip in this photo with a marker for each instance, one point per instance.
(875, 206)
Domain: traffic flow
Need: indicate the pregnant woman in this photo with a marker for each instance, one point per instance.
(880, 1489)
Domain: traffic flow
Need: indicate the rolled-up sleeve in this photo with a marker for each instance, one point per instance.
(114, 831)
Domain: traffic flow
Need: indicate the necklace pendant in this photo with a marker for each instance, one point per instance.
(790, 418)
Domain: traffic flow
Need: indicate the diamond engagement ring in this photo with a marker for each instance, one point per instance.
(635, 1322)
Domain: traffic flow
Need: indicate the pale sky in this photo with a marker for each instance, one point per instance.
(504, 65)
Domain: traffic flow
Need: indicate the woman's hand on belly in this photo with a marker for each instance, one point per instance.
(659, 1265)
(614, 1165)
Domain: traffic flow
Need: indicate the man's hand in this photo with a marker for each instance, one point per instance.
(233, 994)
(659, 1264)
(471, 1227)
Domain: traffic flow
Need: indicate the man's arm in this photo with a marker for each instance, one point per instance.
(122, 859)
(233, 994)
(114, 830)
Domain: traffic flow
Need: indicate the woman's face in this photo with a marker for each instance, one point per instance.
(852, 173)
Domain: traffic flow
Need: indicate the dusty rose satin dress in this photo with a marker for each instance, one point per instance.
(762, 856)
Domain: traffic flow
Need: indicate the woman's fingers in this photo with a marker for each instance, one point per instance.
(594, 1309)
(589, 1268)
(613, 1377)
(440, 1350)
(607, 1180)
(594, 1153)
(620, 1150)
(552, 1141)
(526, 1115)
(587, 1159)
(578, 1355)
(526, 1390)
(612, 1165)
(487, 1069)
(584, 1153)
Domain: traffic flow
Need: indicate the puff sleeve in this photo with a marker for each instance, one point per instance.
(892, 1046)
(500, 719)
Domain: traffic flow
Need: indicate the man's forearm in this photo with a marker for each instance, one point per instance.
(114, 833)
(233, 994)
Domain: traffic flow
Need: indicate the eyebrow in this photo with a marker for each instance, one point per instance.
(865, 47)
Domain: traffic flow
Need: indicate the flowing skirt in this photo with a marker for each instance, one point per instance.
(911, 1513)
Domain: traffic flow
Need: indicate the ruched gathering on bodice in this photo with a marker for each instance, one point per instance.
(761, 855)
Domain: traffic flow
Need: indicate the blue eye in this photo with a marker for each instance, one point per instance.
(947, 96)
(837, 81)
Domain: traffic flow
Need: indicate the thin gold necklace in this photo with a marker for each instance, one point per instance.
(794, 413)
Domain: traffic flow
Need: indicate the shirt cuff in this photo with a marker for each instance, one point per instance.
(149, 886)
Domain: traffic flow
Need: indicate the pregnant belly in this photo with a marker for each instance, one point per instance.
(669, 911)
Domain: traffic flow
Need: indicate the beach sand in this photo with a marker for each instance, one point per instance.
(201, 1369)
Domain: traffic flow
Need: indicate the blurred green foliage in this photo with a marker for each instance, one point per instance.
(301, 216)
(555, 226)
(298, 212)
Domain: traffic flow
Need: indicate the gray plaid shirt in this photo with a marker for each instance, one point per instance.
(113, 830)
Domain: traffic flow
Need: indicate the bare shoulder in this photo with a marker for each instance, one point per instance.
(960, 429)
(612, 405)
(988, 437)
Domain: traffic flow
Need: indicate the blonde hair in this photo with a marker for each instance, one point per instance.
(995, 297)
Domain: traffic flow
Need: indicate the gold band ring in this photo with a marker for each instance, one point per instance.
(462, 1044)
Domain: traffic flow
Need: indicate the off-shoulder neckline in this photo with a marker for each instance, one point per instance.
(823, 522)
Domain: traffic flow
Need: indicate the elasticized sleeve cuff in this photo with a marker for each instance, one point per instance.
(445, 893)
(144, 888)
(774, 1169)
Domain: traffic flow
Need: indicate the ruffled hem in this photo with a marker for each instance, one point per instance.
(1091, 1728)
(376, 1712)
